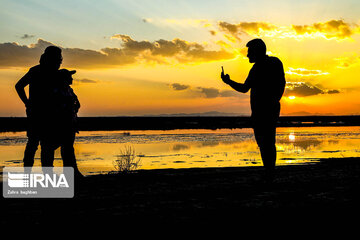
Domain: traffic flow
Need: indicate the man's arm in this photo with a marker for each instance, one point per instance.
(240, 87)
(20, 88)
(281, 87)
(282, 81)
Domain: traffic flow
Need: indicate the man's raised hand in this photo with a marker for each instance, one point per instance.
(224, 77)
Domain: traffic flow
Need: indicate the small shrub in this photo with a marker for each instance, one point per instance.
(127, 161)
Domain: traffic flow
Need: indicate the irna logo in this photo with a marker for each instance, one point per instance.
(38, 182)
(21, 180)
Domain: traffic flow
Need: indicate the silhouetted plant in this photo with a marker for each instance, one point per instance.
(127, 161)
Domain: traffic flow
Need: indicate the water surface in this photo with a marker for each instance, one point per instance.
(97, 150)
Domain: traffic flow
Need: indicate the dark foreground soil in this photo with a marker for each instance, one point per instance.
(327, 191)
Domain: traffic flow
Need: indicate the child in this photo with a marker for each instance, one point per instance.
(66, 99)
(64, 120)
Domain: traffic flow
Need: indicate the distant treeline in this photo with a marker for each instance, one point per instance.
(13, 124)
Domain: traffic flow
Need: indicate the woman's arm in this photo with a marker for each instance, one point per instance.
(20, 88)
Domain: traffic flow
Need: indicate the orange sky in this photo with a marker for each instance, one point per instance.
(125, 73)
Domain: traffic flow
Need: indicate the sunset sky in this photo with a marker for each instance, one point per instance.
(164, 57)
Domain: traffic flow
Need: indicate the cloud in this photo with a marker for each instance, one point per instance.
(255, 27)
(299, 89)
(302, 89)
(213, 32)
(330, 30)
(333, 29)
(223, 44)
(232, 31)
(229, 93)
(247, 27)
(130, 45)
(250, 28)
(305, 72)
(170, 48)
(214, 92)
(177, 49)
(85, 80)
(205, 92)
(130, 52)
(209, 92)
(348, 60)
(181, 50)
(228, 27)
(27, 36)
(179, 87)
(333, 91)
(15, 55)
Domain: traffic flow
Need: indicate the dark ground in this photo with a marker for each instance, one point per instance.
(325, 192)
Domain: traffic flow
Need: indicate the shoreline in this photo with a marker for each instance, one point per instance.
(204, 195)
(15, 124)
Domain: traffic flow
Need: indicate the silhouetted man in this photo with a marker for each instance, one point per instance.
(266, 80)
(38, 107)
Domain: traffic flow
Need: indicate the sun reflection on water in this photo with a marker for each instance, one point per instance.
(292, 137)
(96, 151)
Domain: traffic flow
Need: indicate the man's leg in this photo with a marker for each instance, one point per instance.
(47, 154)
(265, 137)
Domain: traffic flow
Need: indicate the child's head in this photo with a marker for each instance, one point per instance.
(66, 75)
